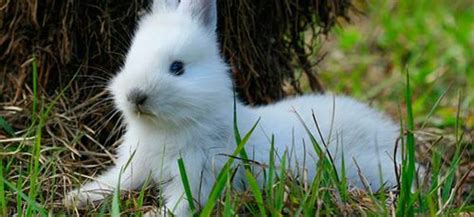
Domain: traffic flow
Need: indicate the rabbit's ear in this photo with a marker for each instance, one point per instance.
(204, 10)
(164, 5)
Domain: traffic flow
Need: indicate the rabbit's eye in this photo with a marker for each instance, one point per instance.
(177, 68)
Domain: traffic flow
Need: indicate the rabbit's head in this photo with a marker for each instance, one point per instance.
(173, 72)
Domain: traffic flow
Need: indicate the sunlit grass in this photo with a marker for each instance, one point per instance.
(433, 39)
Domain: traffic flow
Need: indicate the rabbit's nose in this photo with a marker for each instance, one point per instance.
(137, 97)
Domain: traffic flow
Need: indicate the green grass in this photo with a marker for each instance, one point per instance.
(408, 174)
(3, 204)
(4, 125)
(412, 59)
(225, 174)
(116, 198)
(257, 193)
(431, 38)
(186, 185)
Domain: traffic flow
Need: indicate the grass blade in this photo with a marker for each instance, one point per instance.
(451, 174)
(271, 169)
(256, 192)
(343, 185)
(3, 201)
(456, 158)
(19, 185)
(224, 175)
(434, 107)
(435, 176)
(228, 202)
(34, 166)
(116, 204)
(238, 139)
(214, 195)
(408, 166)
(280, 190)
(187, 187)
(116, 200)
(32, 203)
(141, 195)
(4, 125)
(323, 155)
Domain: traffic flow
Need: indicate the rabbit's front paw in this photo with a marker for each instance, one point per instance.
(158, 212)
(80, 198)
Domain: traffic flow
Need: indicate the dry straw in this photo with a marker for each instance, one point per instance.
(267, 42)
(264, 40)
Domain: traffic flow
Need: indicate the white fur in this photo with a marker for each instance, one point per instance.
(191, 116)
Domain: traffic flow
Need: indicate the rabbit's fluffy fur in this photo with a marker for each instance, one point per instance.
(191, 116)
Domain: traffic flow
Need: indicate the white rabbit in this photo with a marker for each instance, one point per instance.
(176, 95)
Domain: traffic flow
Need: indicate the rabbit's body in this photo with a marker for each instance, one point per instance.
(355, 130)
(176, 97)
